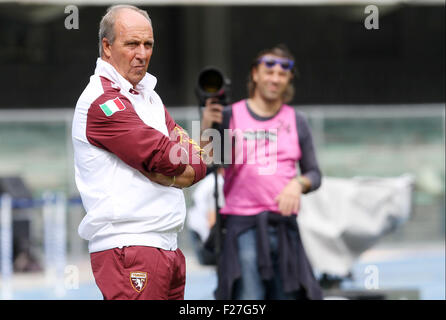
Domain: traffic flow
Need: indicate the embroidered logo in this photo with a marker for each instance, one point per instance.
(138, 280)
(112, 106)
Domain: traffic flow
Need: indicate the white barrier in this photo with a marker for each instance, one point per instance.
(54, 210)
(54, 230)
(60, 243)
(6, 246)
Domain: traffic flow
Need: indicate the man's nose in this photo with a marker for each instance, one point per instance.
(275, 77)
(141, 52)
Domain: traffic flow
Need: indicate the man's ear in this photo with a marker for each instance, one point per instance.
(254, 75)
(106, 48)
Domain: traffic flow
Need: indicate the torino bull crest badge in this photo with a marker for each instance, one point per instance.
(138, 280)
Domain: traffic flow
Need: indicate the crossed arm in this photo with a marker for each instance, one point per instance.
(173, 160)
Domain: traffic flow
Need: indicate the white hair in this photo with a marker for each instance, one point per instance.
(107, 25)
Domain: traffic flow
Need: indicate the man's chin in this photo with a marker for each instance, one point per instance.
(137, 77)
(272, 97)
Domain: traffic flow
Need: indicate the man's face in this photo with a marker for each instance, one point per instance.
(271, 81)
(131, 50)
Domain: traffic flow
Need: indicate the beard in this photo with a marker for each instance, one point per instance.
(271, 95)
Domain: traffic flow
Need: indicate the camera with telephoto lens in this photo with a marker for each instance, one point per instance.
(212, 84)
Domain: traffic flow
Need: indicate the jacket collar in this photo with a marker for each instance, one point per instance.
(106, 70)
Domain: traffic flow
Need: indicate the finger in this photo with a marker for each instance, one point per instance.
(284, 206)
(215, 108)
(296, 206)
(213, 102)
(213, 112)
(217, 118)
(211, 116)
(293, 204)
(210, 101)
(287, 209)
(285, 212)
(146, 174)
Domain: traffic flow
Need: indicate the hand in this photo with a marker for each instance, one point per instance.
(211, 218)
(212, 112)
(158, 178)
(289, 198)
(184, 180)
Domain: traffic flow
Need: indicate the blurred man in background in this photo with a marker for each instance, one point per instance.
(262, 255)
(131, 161)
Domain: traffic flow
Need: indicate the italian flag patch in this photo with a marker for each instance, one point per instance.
(112, 106)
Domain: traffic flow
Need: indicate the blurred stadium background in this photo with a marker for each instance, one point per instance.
(375, 100)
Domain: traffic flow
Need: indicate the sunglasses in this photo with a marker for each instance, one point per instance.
(286, 64)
